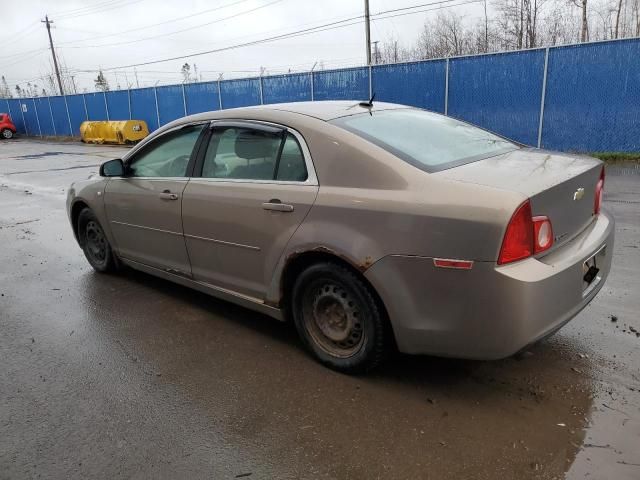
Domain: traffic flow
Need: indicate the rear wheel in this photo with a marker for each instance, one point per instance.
(6, 133)
(338, 318)
(94, 242)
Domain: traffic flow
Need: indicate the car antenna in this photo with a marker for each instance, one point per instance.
(368, 104)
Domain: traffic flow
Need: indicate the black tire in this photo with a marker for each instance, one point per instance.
(338, 318)
(94, 243)
(6, 133)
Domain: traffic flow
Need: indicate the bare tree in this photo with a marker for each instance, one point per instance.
(5, 91)
(618, 19)
(186, 73)
(584, 30)
(101, 82)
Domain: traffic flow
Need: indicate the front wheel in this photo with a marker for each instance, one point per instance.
(6, 133)
(338, 318)
(94, 242)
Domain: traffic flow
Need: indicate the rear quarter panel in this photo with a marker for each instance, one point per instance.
(371, 204)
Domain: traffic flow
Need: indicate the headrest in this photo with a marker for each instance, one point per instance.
(251, 144)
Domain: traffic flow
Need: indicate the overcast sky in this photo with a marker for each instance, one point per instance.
(114, 33)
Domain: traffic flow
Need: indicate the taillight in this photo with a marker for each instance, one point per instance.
(518, 239)
(525, 235)
(542, 234)
(597, 203)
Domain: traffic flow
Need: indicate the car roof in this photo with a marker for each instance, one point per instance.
(324, 110)
(330, 109)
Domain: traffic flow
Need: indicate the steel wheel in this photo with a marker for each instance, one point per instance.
(96, 242)
(331, 317)
(338, 318)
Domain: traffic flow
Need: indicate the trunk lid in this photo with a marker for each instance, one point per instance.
(560, 186)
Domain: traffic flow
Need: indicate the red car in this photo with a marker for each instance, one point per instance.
(7, 128)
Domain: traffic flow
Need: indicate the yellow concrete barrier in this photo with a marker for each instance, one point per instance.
(119, 132)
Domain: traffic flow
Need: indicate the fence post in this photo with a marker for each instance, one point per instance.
(155, 95)
(9, 108)
(184, 101)
(543, 96)
(446, 88)
(106, 106)
(66, 106)
(53, 123)
(37, 116)
(311, 73)
(261, 92)
(370, 83)
(129, 101)
(86, 111)
(219, 93)
(24, 122)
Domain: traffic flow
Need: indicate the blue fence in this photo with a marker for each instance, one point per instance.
(583, 97)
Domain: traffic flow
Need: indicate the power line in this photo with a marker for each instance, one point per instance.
(202, 12)
(307, 31)
(92, 10)
(232, 47)
(166, 34)
(441, 7)
(20, 54)
(24, 59)
(83, 8)
(19, 35)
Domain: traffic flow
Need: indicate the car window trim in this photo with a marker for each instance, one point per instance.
(192, 156)
(312, 178)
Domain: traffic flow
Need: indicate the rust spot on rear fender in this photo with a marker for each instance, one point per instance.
(368, 261)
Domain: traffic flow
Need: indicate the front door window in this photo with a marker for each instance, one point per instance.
(167, 156)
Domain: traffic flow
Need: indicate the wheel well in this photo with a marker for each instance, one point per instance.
(303, 260)
(75, 213)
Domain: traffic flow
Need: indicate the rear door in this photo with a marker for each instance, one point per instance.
(144, 207)
(256, 186)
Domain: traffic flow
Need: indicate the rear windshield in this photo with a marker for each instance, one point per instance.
(426, 140)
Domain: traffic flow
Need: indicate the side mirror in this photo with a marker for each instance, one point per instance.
(112, 168)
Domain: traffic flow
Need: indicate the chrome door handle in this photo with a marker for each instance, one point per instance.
(167, 195)
(277, 205)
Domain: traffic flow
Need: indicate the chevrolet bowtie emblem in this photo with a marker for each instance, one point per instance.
(578, 194)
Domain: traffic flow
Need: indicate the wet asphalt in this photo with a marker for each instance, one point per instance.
(129, 376)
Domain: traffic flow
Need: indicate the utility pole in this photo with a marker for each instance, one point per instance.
(48, 23)
(367, 30)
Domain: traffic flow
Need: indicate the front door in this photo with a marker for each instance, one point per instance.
(144, 207)
(255, 189)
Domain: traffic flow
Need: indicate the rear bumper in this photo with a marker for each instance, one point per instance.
(490, 311)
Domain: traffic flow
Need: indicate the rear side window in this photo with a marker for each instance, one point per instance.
(249, 154)
(426, 140)
(291, 167)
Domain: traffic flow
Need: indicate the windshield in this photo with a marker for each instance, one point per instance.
(427, 140)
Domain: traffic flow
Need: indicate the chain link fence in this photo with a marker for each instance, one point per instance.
(583, 97)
